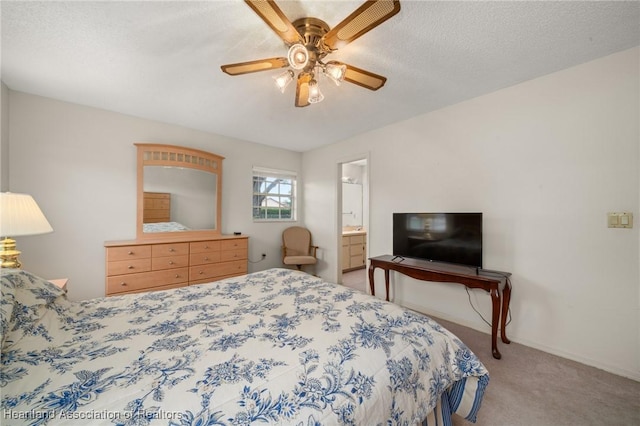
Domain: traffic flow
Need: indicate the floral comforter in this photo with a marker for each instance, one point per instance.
(272, 347)
(164, 227)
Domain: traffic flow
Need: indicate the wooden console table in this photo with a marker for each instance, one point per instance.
(494, 283)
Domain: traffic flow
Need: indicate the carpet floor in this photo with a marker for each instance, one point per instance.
(529, 387)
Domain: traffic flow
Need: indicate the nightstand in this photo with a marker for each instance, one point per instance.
(61, 282)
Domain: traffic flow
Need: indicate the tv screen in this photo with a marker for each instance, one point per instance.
(440, 237)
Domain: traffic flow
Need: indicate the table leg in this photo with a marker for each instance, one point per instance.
(495, 318)
(386, 283)
(506, 299)
(372, 286)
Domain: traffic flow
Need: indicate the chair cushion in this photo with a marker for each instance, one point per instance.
(299, 260)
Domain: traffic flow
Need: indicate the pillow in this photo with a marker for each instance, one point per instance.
(7, 291)
(25, 299)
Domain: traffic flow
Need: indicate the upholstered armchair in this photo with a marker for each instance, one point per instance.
(297, 248)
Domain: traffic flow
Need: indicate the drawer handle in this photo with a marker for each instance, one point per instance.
(123, 284)
(130, 253)
(171, 262)
(206, 258)
(171, 250)
(201, 272)
(130, 267)
(206, 247)
(177, 276)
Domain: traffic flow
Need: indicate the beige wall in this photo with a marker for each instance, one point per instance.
(544, 161)
(79, 164)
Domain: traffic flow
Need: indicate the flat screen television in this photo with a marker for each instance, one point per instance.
(439, 237)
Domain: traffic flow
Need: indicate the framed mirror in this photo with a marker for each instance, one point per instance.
(179, 191)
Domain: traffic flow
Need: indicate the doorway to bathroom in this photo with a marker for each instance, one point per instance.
(353, 223)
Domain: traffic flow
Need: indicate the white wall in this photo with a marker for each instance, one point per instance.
(544, 161)
(79, 164)
(4, 137)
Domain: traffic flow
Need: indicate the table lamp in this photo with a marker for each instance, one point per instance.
(19, 215)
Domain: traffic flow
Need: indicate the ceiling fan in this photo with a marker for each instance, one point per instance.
(310, 40)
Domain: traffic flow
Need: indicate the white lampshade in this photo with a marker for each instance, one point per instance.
(20, 215)
(283, 80)
(298, 56)
(335, 71)
(315, 95)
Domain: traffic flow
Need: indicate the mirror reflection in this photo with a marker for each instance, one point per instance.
(178, 199)
(179, 192)
(351, 204)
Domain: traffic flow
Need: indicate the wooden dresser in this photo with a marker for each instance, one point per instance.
(143, 265)
(156, 207)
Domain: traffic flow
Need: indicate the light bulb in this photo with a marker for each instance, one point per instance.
(298, 56)
(315, 95)
(283, 80)
(335, 71)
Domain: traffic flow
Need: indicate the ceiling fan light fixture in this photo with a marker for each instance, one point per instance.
(335, 71)
(282, 80)
(298, 56)
(315, 95)
(309, 41)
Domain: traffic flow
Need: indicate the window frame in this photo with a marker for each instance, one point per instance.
(276, 174)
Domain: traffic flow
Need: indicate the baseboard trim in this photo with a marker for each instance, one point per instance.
(633, 375)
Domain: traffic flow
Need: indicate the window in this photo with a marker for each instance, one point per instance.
(274, 195)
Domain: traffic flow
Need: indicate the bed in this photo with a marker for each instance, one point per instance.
(164, 227)
(272, 347)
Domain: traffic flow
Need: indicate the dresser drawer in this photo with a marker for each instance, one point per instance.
(204, 247)
(237, 267)
(169, 262)
(237, 254)
(129, 266)
(206, 272)
(204, 258)
(214, 270)
(157, 201)
(356, 239)
(160, 288)
(150, 280)
(234, 244)
(128, 252)
(173, 249)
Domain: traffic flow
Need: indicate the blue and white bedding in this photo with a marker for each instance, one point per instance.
(272, 347)
(164, 227)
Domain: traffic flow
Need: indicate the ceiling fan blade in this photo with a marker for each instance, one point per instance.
(273, 16)
(302, 89)
(255, 66)
(368, 16)
(363, 78)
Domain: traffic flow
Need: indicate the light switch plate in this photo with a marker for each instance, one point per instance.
(620, 220)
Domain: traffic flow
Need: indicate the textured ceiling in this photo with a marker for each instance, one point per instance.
(161, 60)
